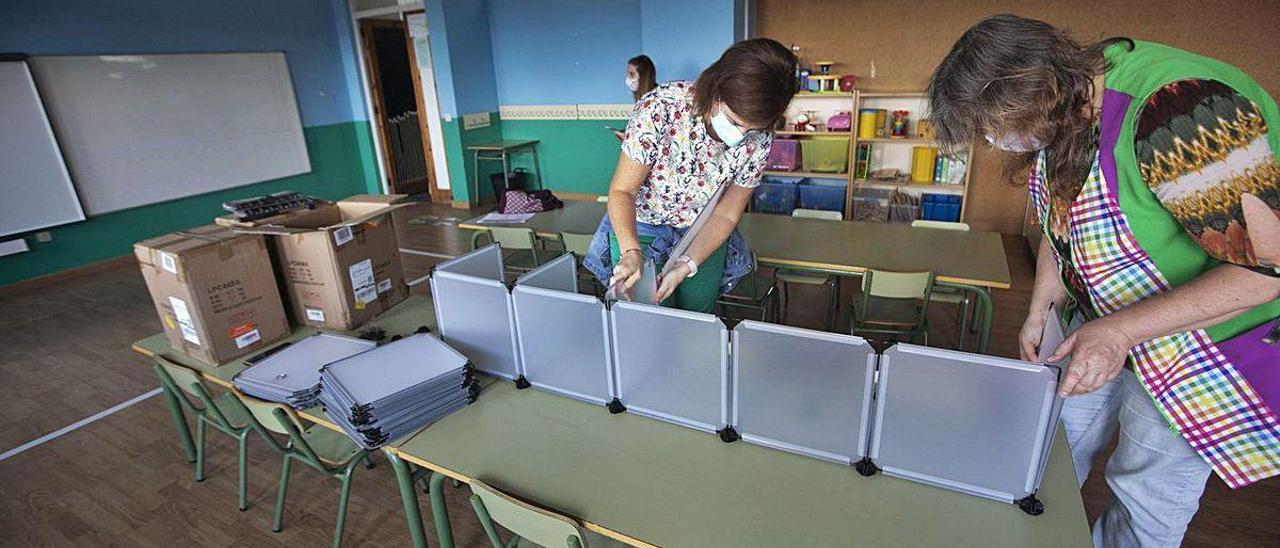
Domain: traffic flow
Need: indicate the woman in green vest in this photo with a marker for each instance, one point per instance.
(1142, 158)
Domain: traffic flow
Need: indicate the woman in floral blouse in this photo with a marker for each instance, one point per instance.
(684, 141)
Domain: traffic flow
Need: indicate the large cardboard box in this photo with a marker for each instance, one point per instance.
(214, 290)
(339, 262)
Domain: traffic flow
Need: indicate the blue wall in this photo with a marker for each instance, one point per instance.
(327, 91)
(462, 56)
(684, 37)
(566, 52)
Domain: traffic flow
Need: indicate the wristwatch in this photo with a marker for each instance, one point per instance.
(693, 266)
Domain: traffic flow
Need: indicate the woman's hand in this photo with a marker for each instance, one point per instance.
(1264, 230)
(1098, 351)
(1031, 333)
(670, 281)
(627, 270)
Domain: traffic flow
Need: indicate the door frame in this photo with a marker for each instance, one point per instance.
(372, 76)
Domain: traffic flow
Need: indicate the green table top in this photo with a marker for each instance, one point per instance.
(401, 319)
(673, 486)
(974, 257)
(503, 145)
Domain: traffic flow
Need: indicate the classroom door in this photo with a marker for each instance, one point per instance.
(397, 98)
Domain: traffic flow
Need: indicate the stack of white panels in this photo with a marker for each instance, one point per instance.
(291, 375)
(396, 389)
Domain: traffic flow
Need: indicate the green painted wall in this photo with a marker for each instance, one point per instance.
(462, 161)
(342, 164)
(575, 155)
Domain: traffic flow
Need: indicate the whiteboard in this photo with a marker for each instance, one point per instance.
(143, 129)
(35, 189)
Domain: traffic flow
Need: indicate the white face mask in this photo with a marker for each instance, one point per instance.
(633, 83)
(1015, 143)
(729, 134)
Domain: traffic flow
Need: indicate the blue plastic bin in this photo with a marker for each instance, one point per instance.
(771, 197)
(826, 194)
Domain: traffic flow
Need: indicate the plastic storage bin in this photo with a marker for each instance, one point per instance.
(785, 155)
(903, 213)
(826, 194)
(825, 154)
(871, 204)
(940, 207)
(776, 197)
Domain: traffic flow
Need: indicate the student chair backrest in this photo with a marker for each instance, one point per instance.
(578, 244)
(510, 237)
(897, 285)
(817, 214)
(265, 413)
(186, 384)
(943, 225)
(543, 527)
(603, 199)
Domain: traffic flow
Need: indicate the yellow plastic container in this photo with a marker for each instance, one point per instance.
(922, 162)
(868, 120)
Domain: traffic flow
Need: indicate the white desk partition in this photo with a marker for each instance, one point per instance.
(563, 336)
(474, 312)
(804, 391)
(671, 364)
(976, 424)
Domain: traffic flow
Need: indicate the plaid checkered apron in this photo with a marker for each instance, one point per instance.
(1199, 391)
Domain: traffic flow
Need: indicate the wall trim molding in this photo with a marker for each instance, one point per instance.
(538, 112)
(601, 111)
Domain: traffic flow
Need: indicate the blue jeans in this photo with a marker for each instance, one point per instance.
(1154, 474)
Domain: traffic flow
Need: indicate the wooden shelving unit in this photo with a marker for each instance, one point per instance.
(891, 152)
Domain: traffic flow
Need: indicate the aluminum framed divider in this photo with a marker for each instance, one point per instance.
(803, 391)
(563, 335)
(966, 422)
(474, 311)
(672, 365)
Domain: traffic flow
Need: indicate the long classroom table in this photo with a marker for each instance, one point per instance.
(973, 260)
(647, 482)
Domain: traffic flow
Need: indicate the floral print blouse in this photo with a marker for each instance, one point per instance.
(686, 164)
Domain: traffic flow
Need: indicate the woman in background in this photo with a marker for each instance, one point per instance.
(1147, 164)
(642, 77)
(684, 141)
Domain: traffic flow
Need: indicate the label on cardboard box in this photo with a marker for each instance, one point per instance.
(248, 338)
(362, 282)
(183, 316)
(384, 286)
(168, 263)
(315, 314)
(342, 235)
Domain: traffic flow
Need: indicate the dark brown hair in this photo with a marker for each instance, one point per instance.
(1010, 74)
(648, 75)
(756, 78)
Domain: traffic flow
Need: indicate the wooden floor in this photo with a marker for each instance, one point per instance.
(122, 480)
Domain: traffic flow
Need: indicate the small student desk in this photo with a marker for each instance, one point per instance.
(971, 260)
(647, 482)
(501, 151)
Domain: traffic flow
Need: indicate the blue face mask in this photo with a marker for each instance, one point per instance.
(730, 134)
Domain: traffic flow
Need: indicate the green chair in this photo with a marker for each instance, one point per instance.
(511, 238)
(952, 295)
(529, 523)
(893, 303)
(752, 293)
(579, 245)
(832, 283)
(224, 414)
(331, 453)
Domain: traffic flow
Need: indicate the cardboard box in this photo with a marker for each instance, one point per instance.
(339, 263)
(214, 290)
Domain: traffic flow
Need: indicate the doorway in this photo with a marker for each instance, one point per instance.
(396, 93)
